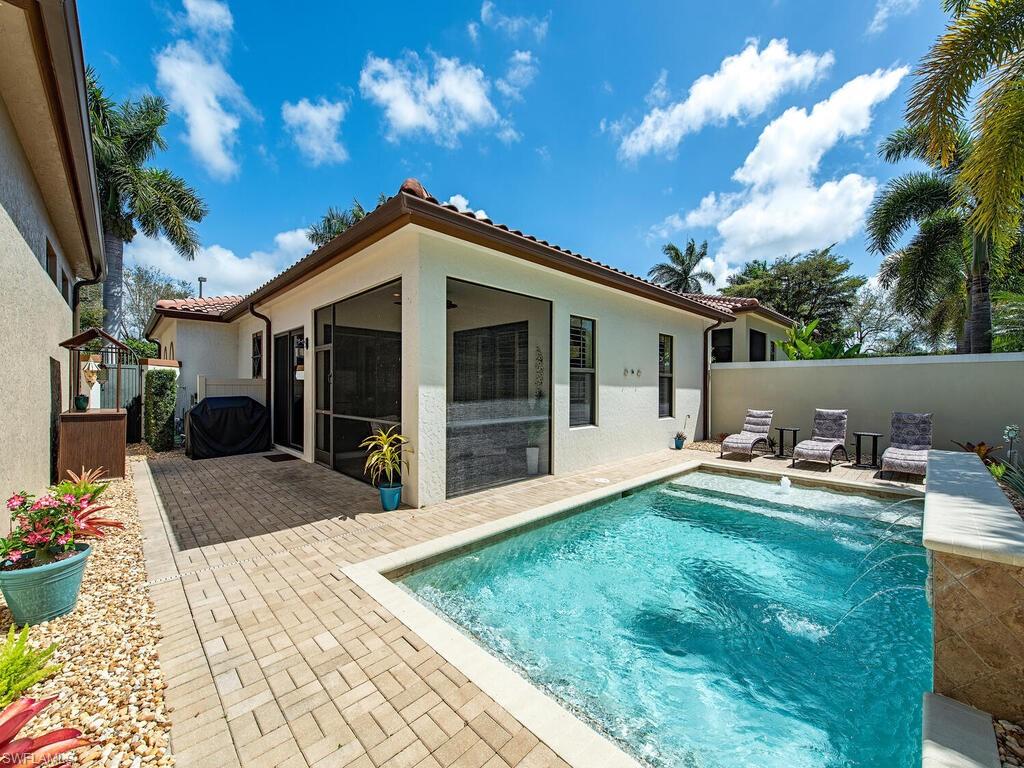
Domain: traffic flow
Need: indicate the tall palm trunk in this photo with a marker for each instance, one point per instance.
(113, 286)
(963, 339)
(980, 301)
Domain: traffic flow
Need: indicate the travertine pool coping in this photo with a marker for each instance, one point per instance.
(572, 739)
(966, 513)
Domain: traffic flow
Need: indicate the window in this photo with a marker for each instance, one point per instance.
(721, 345)
(491, 363)
(257, 355)
(773, 352)
(65, 287)
(666, 401)
(582, 394)
(758, 346)
(51, 264)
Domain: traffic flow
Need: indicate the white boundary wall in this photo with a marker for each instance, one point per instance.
(972, 396)
(210, 387)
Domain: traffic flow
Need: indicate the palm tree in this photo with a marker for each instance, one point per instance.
(941, 275)
(680, 272)
(132, 195)
(336, 221)
(982, 45)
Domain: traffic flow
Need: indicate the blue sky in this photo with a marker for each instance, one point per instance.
(753, 125)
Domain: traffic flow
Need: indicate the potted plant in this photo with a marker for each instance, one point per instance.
(81, 403)
(43, 558)
(680, 439)
(384, 463)
(534, 435)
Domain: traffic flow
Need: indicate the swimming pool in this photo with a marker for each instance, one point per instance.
(700, 622)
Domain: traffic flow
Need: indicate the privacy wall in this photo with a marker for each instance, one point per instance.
(973, 397)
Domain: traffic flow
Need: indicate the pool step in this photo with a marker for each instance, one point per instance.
(954, 735)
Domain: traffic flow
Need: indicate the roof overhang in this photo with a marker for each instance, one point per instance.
(42, 82)
(403, 209)
(160, 313)
(768, 313)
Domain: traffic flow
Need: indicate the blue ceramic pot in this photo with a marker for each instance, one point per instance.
(679, 443)
(390, 496)
(45, 592)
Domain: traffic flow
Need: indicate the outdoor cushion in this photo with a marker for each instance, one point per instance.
(911, 439)
(755, 430)
(828, 435)
(913, 462)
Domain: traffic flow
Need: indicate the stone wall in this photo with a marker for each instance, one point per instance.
(978, 610)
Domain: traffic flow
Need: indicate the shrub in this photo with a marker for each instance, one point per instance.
(161, 394)
(22, 666)
(88, 483)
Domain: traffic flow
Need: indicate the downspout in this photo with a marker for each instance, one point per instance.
(267, 349)
(76, 298)
(705, 400)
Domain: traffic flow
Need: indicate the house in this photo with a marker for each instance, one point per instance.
(50, 234)
(755, 336)
(499, 355)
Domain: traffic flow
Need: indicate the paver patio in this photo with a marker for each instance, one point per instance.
(273, 657)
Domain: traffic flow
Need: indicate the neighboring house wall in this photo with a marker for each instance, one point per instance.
(744, 323)
(202, 347)
(34, 318)
(972, 397)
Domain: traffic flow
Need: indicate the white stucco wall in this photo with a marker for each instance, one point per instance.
(626, 339)
(741, 328)
(205, 348)
(34, 319)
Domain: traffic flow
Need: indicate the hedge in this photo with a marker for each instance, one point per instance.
(161, 395)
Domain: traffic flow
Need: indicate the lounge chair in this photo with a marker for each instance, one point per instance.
(828, 437)
(755, 430)
(909, 444)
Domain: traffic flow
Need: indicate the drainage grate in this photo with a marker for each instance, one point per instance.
(280, 457)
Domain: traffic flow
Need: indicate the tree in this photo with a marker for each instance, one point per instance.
(982, 46)
(143, 287)
(337, 220)
(800, 344)
(680, 273)
(805, 287)
(133, 196)
(943, 274)
(878, 327)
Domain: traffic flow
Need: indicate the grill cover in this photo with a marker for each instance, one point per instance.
(226, 426)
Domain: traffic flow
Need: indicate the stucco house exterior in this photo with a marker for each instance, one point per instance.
(50, 235)
(499, 355)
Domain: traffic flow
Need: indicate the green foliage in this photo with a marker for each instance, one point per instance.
(160, 397)
(384, 454)
(1007, 321)
(983, 449)
(143, 287)
(1014, 478)
(22, 665)
(801, 345)
(997, 470)
(88, 483)
(680, 272)
(806, 287)
(337, 220)
(90, 307)
(141, 347)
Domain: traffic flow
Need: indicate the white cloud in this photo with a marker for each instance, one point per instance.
(658, 94)
(888, 9)
(522, 69)
(226, 272)
(473, 30)
(462, 203)
(744, 86)
(513, 26)
(781, 208)
(315, 129)
(193, 77)
(443, 102)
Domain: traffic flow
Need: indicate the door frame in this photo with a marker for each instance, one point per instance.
(291, 333)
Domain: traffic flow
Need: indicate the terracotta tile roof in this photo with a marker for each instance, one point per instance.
(208, 305)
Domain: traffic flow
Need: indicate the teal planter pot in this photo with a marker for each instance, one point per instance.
(680, 441)
(39, 594)
(390, 496)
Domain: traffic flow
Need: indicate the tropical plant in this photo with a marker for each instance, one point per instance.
(997, 470)
(22, 665)
(942, 275)
(983, 449)
(806, 287)
(337, 220)
(50, 525)
(89, 483)
(384, 454)
(1007, 321)
(1013, 477)
(979, 53)
(681, 272)
(800, 344)
(38, 750)
(133, 196)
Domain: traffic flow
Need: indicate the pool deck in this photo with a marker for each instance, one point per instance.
(274, 657)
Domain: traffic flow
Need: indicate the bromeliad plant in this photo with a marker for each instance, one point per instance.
(53, 524)
(38, 750)
(384, 455)
(88, 483)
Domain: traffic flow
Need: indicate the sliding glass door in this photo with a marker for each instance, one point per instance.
(289, 388)
(359, 374)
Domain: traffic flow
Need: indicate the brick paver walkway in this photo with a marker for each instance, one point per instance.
(273, 657)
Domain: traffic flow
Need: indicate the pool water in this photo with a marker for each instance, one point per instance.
(695, 622)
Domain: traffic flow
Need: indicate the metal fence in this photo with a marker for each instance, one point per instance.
(131, 388)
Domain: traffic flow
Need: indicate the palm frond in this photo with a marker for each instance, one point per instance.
(903, 201)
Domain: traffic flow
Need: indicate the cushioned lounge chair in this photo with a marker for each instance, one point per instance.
(909, 444)
(755, 430)
(828, 437)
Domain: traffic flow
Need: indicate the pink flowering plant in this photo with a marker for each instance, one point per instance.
(50, 525)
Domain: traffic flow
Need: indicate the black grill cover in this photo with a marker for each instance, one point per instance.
(226, 426)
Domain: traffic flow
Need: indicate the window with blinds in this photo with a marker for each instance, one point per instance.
(666, 401)
(582, 373)
(257, 355)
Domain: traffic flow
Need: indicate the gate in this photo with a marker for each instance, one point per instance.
(131, 388)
